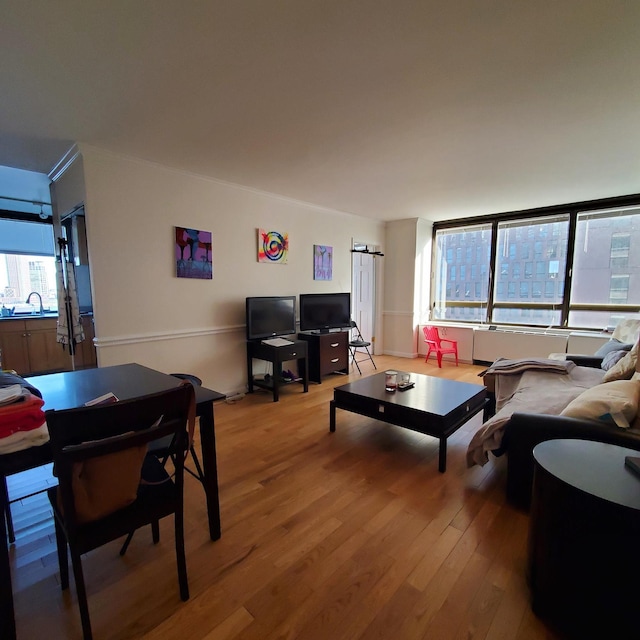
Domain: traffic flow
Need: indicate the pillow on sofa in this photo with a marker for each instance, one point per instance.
(615, 402)
(624, 368)
(612, 345)
(611, 359)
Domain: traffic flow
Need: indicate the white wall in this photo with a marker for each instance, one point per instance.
(145, 314)
(400, 277)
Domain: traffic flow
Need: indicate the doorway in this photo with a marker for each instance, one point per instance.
(363, 292)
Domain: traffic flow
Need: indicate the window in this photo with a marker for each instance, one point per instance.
(530, 274)
(27, 264)
(619, 289)
(620, 243)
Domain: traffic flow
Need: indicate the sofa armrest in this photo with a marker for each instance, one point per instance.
(525, 430)
(586, 361)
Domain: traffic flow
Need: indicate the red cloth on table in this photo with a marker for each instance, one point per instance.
(24, 414)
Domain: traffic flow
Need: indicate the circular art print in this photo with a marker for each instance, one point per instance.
(273, 246)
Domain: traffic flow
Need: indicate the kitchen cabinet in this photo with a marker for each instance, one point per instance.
(29, 346)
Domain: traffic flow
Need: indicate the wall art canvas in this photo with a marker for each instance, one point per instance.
(273, 246)
(193, 254)
(322, 262)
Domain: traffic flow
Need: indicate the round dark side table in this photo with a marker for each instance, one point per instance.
(584, 539)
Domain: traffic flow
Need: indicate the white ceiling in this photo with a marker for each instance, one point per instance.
(389, 109)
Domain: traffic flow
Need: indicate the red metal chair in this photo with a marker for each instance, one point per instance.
(434, 342)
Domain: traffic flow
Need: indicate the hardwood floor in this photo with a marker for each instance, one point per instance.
(351, 535)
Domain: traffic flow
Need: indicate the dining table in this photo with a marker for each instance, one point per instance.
(72, 389)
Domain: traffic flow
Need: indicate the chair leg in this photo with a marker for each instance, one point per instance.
(428, 354)
(371, 358)
(7, 514)
(181, 559)
(63, 559)
(439, 356)
(155, 531)
(81, 593)
(127, 542)
(355, 359)
(194, 455)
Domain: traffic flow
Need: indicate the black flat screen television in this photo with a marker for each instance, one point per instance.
(270, 316)
(320, 312)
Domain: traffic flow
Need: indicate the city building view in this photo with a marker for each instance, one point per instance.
(20, 275)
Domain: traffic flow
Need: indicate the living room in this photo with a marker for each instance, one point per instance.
(376, 154)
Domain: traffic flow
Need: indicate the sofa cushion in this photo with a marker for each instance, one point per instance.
(624, 368)
(615, 402)
(627, 330)
(612, 345)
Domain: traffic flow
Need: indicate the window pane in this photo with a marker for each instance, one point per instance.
(22, 274)
(550, 237)
(472, 284)
(536, 317)
(605, 270)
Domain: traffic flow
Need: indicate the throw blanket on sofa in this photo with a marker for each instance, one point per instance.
(534, 390)
(504, 366)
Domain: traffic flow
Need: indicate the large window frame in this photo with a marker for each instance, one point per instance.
(565, 312)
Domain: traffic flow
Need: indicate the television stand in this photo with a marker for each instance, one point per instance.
(297, 350)
(328, 353)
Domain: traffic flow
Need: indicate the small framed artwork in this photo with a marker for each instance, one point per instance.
(193, 254)
(273, 246)
(322, 262)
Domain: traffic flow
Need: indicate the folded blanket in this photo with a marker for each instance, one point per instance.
(23, 414)
(24, 439)
(511, 367)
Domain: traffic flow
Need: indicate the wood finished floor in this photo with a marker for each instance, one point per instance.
(352, 535)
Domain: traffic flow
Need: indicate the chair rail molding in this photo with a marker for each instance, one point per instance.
(116, 341)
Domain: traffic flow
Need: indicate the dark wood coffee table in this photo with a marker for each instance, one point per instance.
(434, 406)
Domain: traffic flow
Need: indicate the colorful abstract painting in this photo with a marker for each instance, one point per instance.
(322, 262)
(273, 246)
(193, 254)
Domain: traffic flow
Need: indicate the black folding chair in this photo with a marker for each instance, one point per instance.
(358, 342)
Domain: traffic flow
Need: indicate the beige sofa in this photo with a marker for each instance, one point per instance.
(540, 404)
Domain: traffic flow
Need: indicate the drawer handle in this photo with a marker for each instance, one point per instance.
(335, 360)
(335, 344)
(293, 353)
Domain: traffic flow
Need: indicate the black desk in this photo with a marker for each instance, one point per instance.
(583, 562)
(73, 389)
(297, 350)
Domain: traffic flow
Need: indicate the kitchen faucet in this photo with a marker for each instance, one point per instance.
(35, 293)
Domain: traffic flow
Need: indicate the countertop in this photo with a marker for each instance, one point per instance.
(30, 316)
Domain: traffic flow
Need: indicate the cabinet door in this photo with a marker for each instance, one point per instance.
(13, 342)
(45, 354)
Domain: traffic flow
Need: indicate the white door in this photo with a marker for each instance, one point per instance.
(363, 294)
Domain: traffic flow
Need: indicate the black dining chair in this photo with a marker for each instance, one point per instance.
(109, 485)
(162, 449)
